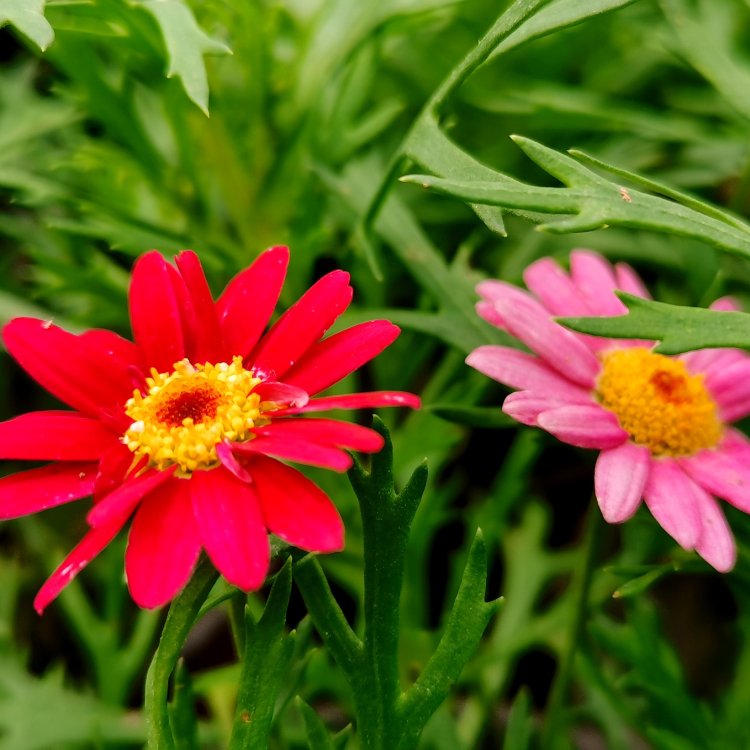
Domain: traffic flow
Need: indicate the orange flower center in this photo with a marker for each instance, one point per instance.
(658, 402)
(185, 414)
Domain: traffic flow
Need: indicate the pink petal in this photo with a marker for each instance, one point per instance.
(529, 321)
(711, 361)
(281, 393)
(231, 526)
(735, 444)
(370, 400)
(554, 288)
(302, 325)
(295, 509)
(725, 304)
(45, 487)
(326, 432)
(619, 479)
(86, 550)
(671, 497)
(163, 545)
(335, 357)
(720, 473)
(629, 281)
(596, 280)
(583, 425)
(73, 368)
(518, 369)
(729, 384)
(716, 543)
(248, 302)
(487, 311)
(155, 313)
(207, 342)
(120, 503)
(54, 436)
(298, 450)
(526, 406)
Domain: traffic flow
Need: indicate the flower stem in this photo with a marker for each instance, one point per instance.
(182, 614)
(550, 736)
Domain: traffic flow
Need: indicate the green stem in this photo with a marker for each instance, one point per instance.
(182, 614)
(550, 737)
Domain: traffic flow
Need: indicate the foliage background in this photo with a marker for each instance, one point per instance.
(105, 152)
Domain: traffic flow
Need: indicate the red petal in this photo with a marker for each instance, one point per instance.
(371, 400)
(74, 368)
(113, 467)
(163, 546)
(281, 393)
(231, 527)
(249, 300)
(54, 436)
(155, 313)
(208, 345)
(294, 449)
(122, 501)
(325, 432)
(335, 357)
(302, 325)
(86, 550)
(295, 509)
(39, 489)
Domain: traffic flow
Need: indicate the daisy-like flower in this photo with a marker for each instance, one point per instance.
(184, 427)
(662, 424)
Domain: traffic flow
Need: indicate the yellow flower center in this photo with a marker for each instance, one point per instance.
(186, 413)
(658, 402)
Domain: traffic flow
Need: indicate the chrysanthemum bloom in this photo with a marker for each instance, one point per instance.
(185, 426)
(662, 423)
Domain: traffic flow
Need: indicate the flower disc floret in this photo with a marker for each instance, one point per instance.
(658, 402)
(185, 414)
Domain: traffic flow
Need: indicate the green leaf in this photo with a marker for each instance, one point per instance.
(520, 727)
(592, 202)
(472, 416)
(28, 17)
(268, 652)
(182, 714)
(678, 329)
(186, 45)
(317, 733)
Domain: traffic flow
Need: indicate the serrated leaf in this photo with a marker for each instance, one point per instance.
(186, 45)
(28, 17)
(678, 329)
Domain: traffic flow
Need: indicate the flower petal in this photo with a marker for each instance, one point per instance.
(119, 352)
(86, 550)
(281, 393)
(54, 436)
(487, 311)
(302, 325)
(369, 400)
(530, 322)
(206, 338)
(716, 543)
(295, 509)
(326, 432)
(720, 473)
(524, 371)
(246, 305)
(526, 406)
(155, 313)
(619, 479)
(229, 461)
(75, 369)
(671, 498)
(231, 526)
(120, 503)
(163, 545)
(629, 281)
(335, 357)
(594, 277)
(583, 425)
(45, 487)
(554, 288)
(114, 466)
(295, 449)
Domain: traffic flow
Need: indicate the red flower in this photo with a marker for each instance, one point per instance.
(184, 427)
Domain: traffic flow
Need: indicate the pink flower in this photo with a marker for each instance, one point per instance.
(184, 427)
(661, 424)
